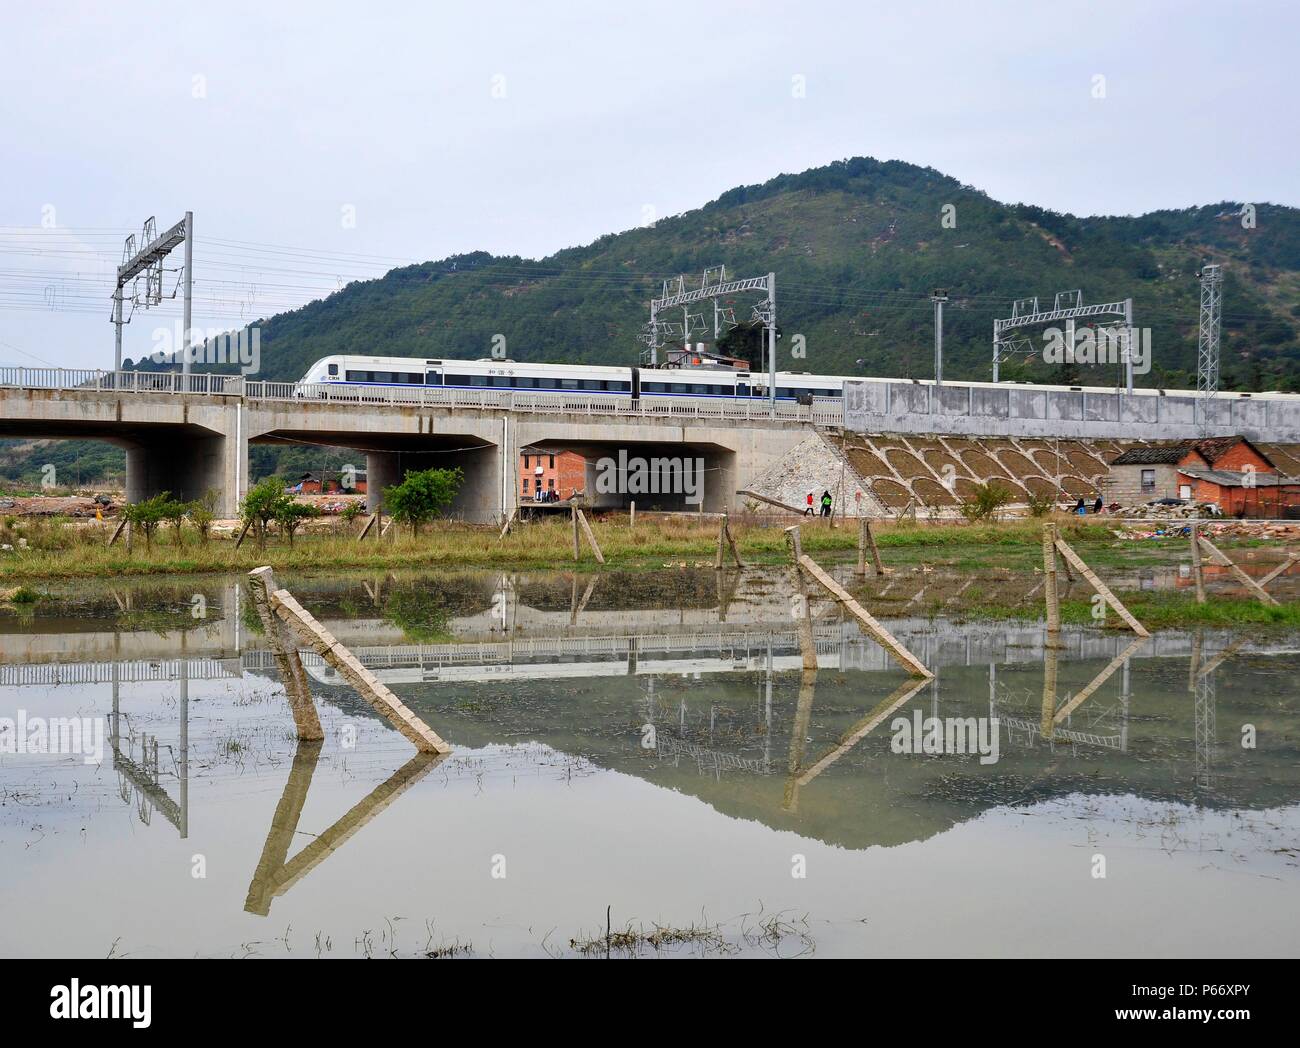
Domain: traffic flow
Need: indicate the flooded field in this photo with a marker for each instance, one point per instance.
(639, 753)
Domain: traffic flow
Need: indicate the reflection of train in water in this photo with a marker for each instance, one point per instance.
(697, 376)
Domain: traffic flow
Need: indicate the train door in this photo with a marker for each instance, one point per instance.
(742, 386)
(432, 378)
(636, 383)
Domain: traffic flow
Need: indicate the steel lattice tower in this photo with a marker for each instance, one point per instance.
(1207, 346)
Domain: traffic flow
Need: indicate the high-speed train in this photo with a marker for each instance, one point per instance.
(490, 373)
(635, 382)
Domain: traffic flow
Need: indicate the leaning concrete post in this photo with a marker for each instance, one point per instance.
(803, 614)
(304, 625)
(262, 583)
(1220, 558)
(1115, 603)
(591, 536)
(866, 538)
(725, 540)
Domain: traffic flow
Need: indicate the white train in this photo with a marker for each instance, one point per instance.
(597, 380)
(591, 379)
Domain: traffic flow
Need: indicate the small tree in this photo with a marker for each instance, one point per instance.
(203, 512)
(422, 495)
(291, 515)
(262, 505)
(147, 514)
(173, 512)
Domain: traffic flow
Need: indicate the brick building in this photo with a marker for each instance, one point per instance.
(549, 469)
(1229, 472)
(325, 481)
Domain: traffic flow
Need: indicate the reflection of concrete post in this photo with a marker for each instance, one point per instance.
(799, 736)
(1198, 571)
(803, 614)
(184, 826)
(1051, 658)
(283, 647)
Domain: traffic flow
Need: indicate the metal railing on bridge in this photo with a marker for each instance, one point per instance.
(822, 411)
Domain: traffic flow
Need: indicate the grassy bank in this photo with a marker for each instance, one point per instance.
(1155, 610)
(57, 551)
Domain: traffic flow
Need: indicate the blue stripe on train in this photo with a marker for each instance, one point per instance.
(549, 389)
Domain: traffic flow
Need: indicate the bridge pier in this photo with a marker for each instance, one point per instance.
(187, 465)
(479, 499)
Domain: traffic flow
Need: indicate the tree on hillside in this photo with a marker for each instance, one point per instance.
(422, 495)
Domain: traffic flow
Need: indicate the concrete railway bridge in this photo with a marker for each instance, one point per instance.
(194, 438)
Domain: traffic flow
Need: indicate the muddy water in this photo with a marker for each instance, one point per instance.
(642, 742)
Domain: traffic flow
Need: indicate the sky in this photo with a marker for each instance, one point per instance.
(318, 143)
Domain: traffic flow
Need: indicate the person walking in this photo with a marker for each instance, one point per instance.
(826, 503)
(808, 510)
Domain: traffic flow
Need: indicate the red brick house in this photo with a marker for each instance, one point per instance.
(550, 469)
(326, 481)
(1229, 472)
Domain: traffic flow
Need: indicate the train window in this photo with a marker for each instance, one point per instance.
(679, 387)
(500, 380)
(569, 383)
(478, 380)
(334, 369)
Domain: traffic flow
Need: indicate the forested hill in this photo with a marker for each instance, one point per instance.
(856, 247)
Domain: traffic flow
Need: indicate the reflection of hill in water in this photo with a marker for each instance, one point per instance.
(714, 742)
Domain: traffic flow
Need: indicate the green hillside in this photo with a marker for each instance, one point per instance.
(856, 247)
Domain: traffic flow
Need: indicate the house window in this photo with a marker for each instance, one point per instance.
(527, 461)
(525, 483)
(1184, 491)
(551, 483)
(1148, 480)
(552, 462)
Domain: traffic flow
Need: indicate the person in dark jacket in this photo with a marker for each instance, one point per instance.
(826, 503)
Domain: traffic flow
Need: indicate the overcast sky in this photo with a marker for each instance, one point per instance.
(320, 142)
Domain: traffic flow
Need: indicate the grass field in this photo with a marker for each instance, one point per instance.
(58, 550)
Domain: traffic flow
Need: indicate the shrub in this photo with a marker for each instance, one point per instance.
(985, 501)
(422, 495)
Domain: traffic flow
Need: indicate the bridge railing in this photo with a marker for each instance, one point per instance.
(822, 411)
(121, 381)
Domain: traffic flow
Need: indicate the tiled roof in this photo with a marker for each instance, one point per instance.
(1210, 448)
(1231, 478)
